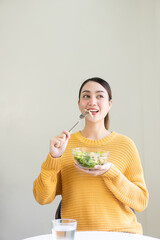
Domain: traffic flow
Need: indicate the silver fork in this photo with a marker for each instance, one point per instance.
(80, 118)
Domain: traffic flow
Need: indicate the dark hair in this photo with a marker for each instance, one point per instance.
(108, 89)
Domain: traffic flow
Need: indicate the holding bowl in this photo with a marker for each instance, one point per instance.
(87, 158)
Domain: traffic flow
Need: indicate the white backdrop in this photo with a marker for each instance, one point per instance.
(47, 49)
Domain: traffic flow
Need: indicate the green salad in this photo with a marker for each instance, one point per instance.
(89, 159)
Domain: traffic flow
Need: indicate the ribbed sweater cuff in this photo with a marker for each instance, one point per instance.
(52, 163)
(112, 172)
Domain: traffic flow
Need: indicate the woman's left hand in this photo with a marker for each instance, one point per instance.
(97, 170)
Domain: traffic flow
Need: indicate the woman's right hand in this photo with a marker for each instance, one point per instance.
(58, 144)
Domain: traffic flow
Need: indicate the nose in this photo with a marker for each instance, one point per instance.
(92, 101)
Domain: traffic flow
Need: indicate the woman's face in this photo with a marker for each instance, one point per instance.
(94, 97)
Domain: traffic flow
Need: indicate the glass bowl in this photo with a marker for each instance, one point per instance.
(87, 158)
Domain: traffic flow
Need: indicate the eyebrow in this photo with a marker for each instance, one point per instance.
(96, 91)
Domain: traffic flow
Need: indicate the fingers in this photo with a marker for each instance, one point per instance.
(59, 140)
(66, 134)
(105, 167)
(58, 144)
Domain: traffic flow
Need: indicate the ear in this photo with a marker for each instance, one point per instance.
(78, 104)
(110, 104)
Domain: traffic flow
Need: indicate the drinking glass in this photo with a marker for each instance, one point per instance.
(64, 229)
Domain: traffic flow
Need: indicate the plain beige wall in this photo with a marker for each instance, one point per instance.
(47, 49)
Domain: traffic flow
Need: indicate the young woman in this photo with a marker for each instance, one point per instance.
(104, 198)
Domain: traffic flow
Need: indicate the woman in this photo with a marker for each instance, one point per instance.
(101, 199)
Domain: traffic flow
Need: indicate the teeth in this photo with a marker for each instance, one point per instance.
(93, 110)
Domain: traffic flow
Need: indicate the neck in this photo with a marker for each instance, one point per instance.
(94, 131)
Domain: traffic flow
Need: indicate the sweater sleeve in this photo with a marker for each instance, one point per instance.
(48, 183)
(128, 187)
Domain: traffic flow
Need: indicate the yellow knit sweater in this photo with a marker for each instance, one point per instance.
(98, 203)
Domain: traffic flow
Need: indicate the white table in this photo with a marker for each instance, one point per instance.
(98, 235)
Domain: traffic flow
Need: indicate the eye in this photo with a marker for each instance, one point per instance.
(86, 96)
(100, 96)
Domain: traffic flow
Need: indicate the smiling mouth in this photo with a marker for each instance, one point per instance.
(92, 112)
